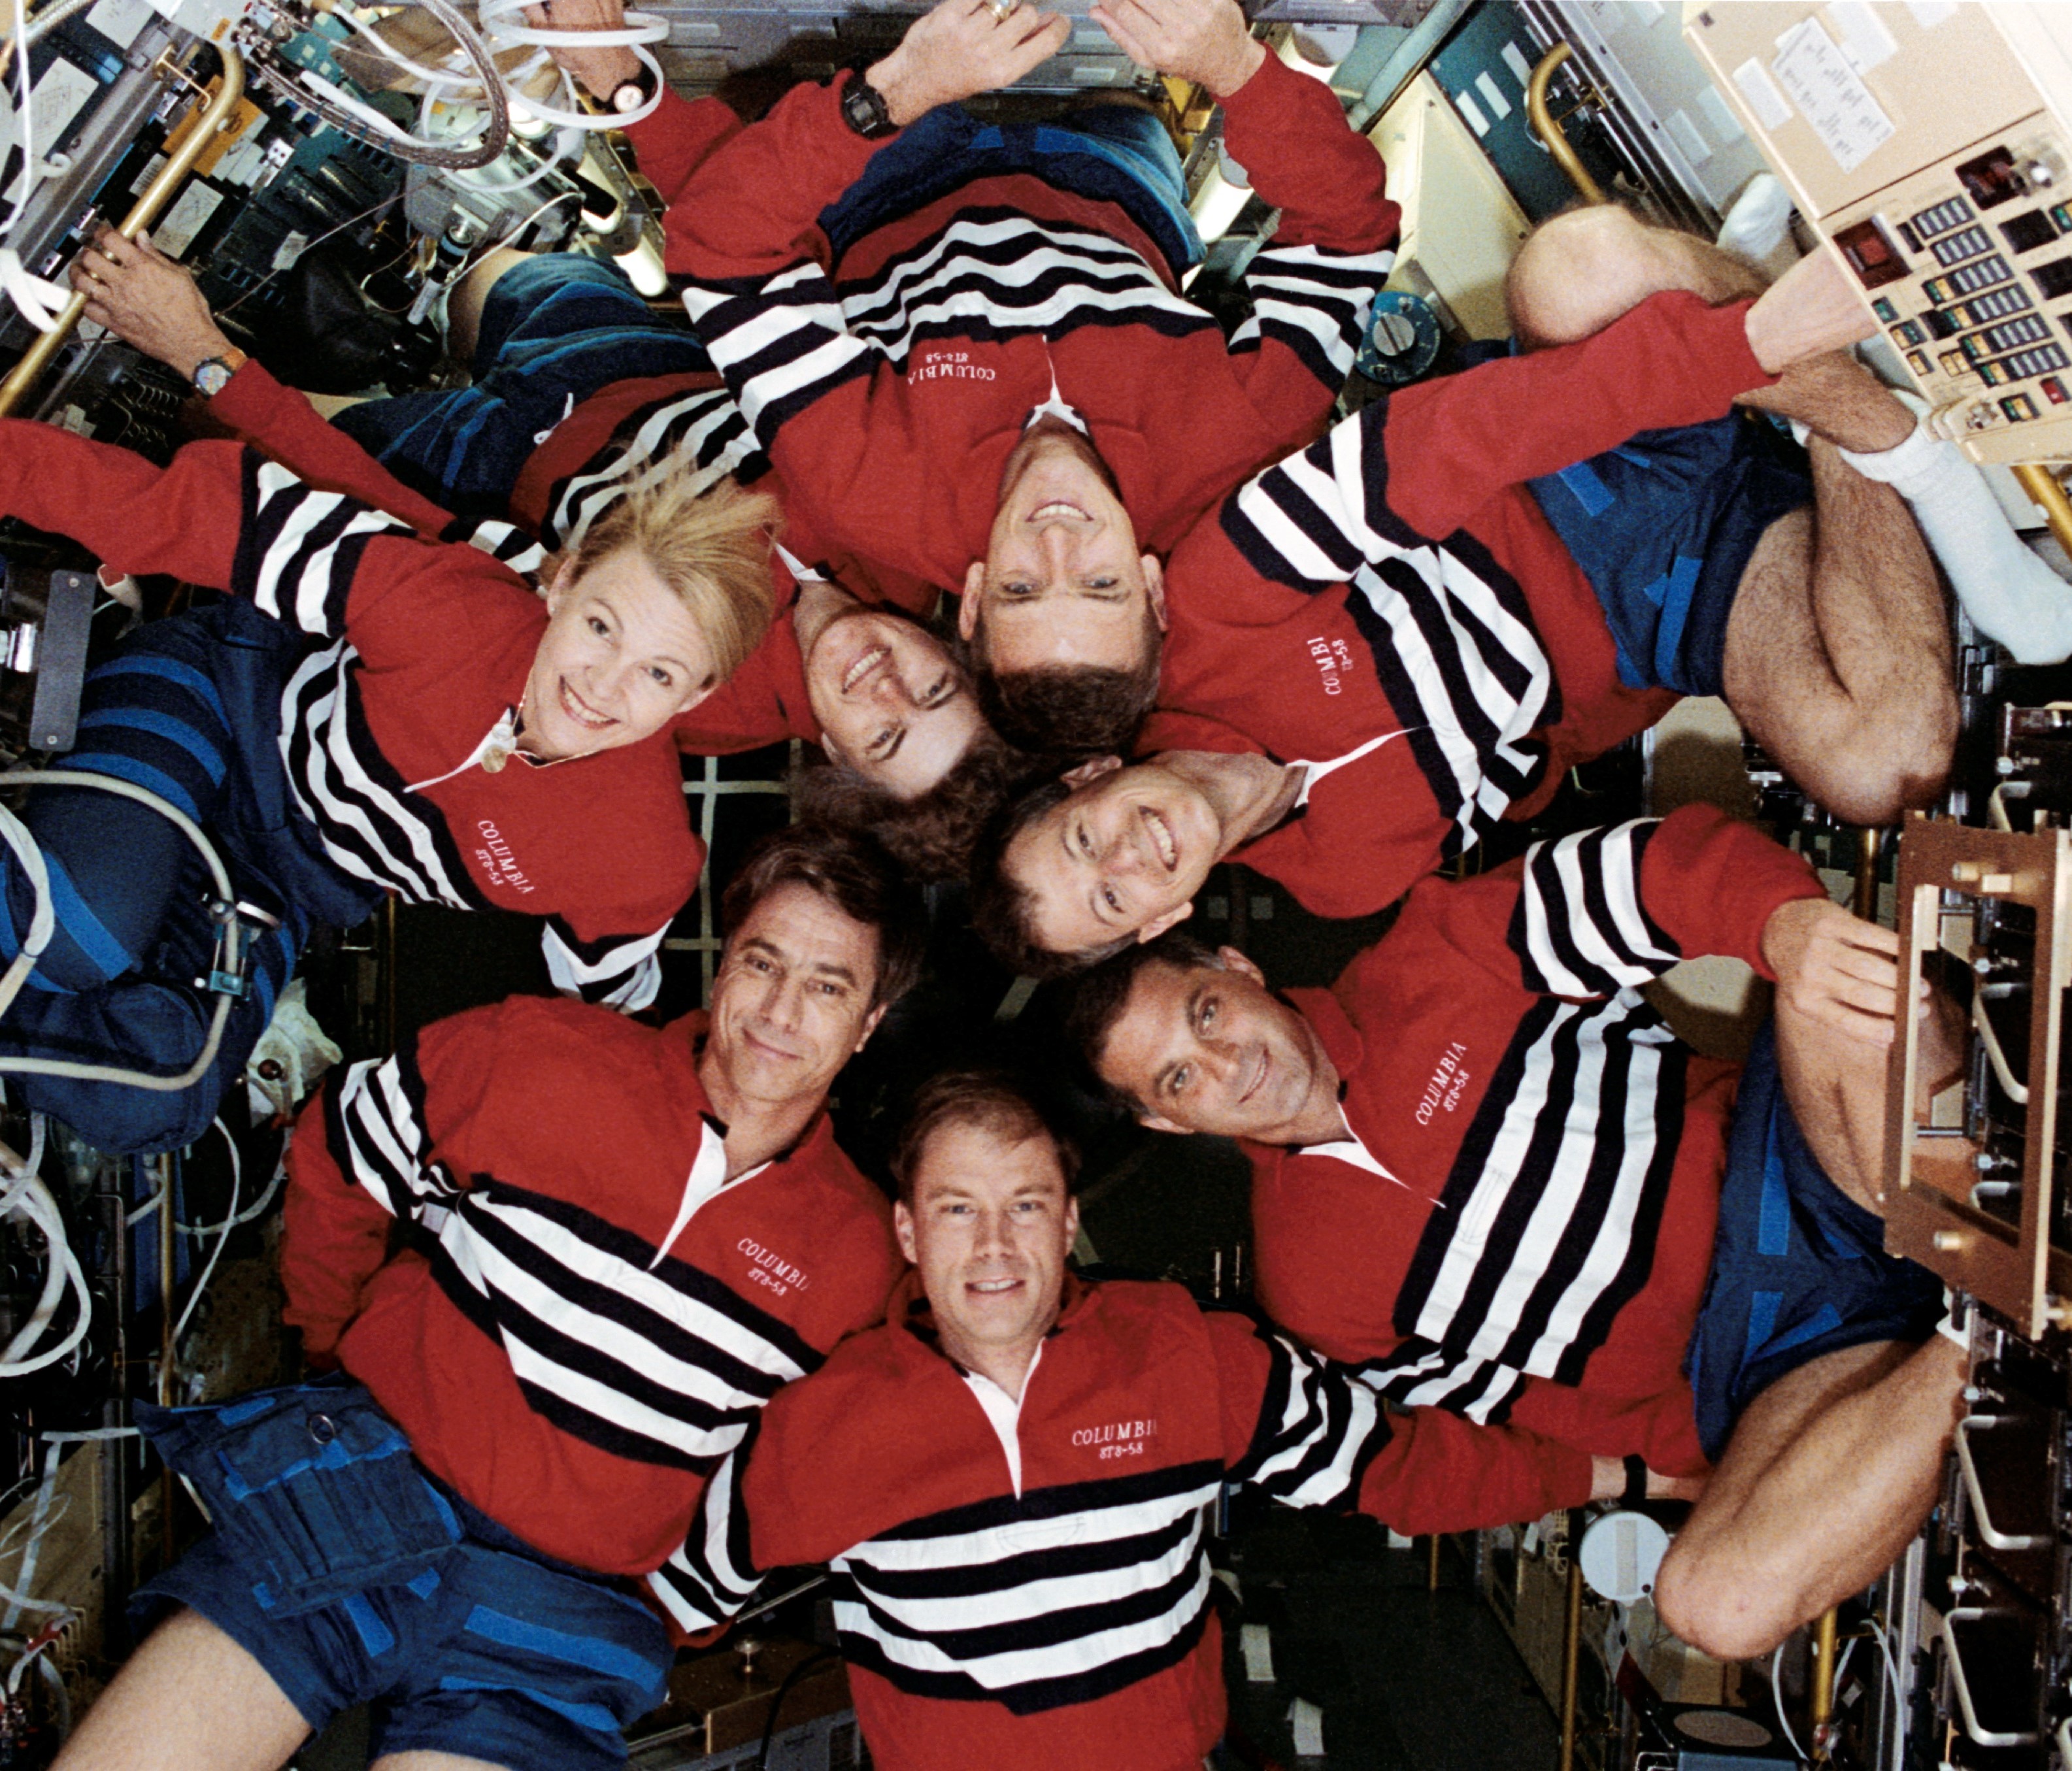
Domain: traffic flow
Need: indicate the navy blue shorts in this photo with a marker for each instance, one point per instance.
(1662, 527)
(555, 330)
(1116, 154)
(1799, 1268)
(353, 1577)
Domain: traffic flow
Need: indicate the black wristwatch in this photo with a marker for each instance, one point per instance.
(863, 109)
(630, 93)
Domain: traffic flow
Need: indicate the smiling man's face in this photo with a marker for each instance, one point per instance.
(1211, 1049)
(1063, 582)
(793, 1000)
(990, 1225)
(892, 703)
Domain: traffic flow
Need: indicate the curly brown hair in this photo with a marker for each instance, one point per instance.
(1073, 711)
(932, 835)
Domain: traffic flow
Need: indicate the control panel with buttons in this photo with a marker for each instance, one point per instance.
(1967, 265)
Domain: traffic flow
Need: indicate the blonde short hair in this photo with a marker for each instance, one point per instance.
(710, 546)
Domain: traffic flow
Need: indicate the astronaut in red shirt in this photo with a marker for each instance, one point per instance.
(619, 1242)
(1486, 1173)
(1384, 645)
(371, 710)
(1011, 1478)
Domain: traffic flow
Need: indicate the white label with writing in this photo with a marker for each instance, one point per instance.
(1831, 95)
(176, 232)
(57, 99)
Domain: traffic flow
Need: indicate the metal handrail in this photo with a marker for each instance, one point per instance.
(1549, 132)
(1997, 1540)
(142, 213)
(1981, 1736)
(2048, 495)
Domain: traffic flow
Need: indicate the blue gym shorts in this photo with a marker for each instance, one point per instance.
(1662, 527)
(555, 330)
(353, 1577)
(1799, 1268)
(1118, 153)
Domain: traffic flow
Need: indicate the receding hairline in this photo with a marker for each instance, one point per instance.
(994, 1118)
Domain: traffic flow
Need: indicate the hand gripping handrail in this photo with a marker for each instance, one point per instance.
(142, 213)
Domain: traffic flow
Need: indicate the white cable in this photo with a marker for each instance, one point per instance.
(237, 1173)
(1783, 1721)
(215, 1254)
(641, 28)
(433, 76)
(43, 920)
(32, 858)
(39, 1522)
(37, 300)
(41, 1210)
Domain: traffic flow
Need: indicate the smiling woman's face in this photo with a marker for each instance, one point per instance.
(893, 703)
(621, 657)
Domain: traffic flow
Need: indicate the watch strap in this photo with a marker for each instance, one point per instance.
(865, 110)
(1636, 1480)
(635, 90)
(225, 363)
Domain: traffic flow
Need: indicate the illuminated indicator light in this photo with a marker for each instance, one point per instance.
(1917, 361)
(1907, 332)
(2018, 406)
(1885, 310)
(1954, 363)
(2053, 389)
(1936, 288)
(2062, 214)
(1996, 374)
(1975, 347)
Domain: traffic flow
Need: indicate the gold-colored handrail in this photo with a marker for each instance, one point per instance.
(2044, 491)
(142, 213)
(1549, 132)
(1571, 1645)
(1820, 1701)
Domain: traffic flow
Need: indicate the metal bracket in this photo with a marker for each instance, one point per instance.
(1975, 1490)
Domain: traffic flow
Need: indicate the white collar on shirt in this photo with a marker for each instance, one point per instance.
(1004, 1412)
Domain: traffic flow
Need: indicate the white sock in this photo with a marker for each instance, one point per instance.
(2010, 594)
(1755, 226)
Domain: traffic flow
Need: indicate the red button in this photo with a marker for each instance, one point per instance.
(2053, 390)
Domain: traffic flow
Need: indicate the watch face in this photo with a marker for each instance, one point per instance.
(211, 377)
(865, 109)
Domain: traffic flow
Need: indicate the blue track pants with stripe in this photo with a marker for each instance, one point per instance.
(189, 708)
